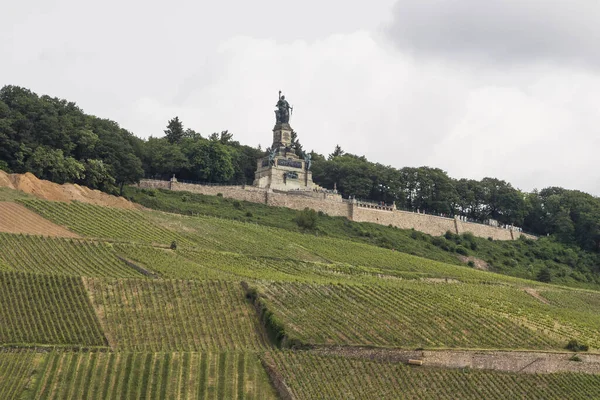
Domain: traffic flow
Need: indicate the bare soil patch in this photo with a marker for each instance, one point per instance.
(15, 218)
(479, 263)
(508, 361)
(68, 192)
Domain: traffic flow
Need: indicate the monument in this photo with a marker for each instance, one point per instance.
(282, 169)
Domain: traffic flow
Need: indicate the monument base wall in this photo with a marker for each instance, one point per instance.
(333, 205)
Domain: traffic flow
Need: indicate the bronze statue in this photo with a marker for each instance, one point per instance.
(282, 114)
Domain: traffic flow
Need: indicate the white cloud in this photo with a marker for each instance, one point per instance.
(533, 122)
(500, 30)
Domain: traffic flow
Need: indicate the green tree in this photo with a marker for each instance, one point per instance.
(174, 132)
(336, 152)
(545, 275)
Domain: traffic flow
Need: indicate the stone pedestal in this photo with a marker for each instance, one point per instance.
(286, 171)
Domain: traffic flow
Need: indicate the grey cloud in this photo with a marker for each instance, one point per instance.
(500, 30)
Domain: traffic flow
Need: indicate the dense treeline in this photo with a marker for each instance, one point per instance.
(55, 140)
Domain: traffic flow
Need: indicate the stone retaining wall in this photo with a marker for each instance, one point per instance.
(509, 361)
(333, 205)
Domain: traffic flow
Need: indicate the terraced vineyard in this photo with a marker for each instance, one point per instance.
(16, 372)
(38, 309)
(104, 222)
(118, 314)
(329, 377)
(175, 315)
(225, 375)
(409, 315)
(62, 257)
(170, 264)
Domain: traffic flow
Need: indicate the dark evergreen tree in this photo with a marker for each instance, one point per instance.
(174, 132)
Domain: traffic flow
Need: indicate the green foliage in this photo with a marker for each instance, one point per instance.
(173, 245)
(574, 345)
(545, 275)
(55, 140)
(174, 132)
(307, 219)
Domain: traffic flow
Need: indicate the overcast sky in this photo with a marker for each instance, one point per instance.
(502, 88)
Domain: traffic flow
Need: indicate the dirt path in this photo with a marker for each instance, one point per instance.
(15, 218)
(508, 361)
(533, 292)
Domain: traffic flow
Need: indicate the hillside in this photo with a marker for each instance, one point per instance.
(136, 303)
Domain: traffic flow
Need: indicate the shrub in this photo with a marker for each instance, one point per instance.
(438, 241)
(474, 246)
(491, 239)
(544, 275)
(468, 236)
(249, 214)
(173, 245)
(576, 358)
(185, 198)
(219, 194)
(462, 251)
(574, 345)
(449, 235)
(237, 204)
(306, 219)
(471, 264)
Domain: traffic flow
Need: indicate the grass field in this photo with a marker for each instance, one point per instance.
(49, 310)
(223, 375)
(330, 377)
(175, 315)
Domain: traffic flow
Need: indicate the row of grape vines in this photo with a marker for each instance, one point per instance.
(312, 376)
(224, 375)
(244, 238)
(261, 241)
(16, 371)
(104, 222)
(170, 264)
(570, 315)
(175, 315)
(62, 257)
(406, 315)
(40, 309)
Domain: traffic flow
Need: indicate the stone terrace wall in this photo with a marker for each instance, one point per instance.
(486, 231)
(250, 194)
(154, 184)
(333, 205)
(429, 224)
(329, 207)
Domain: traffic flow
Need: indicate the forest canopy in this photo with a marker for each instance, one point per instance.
(57, 141)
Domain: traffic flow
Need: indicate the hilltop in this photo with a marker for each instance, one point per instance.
(107, 302)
